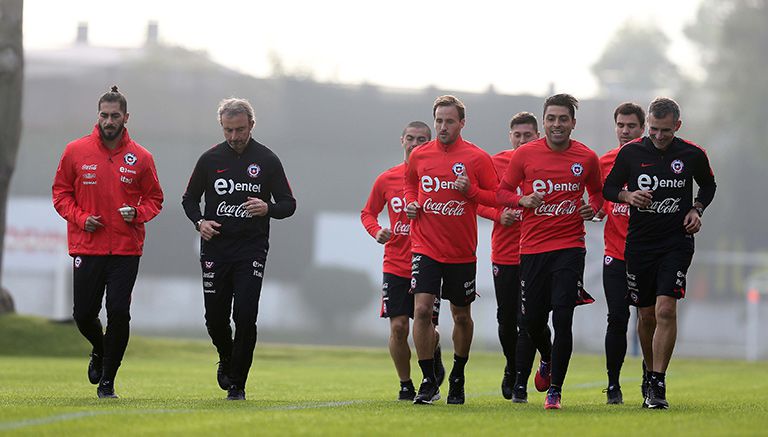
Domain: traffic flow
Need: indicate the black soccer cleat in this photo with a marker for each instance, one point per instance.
(106, 390)
(222, 375)
(455, 390)
(95, 368)
(407, 391)
(613, 393)
(235, 393)
(520, 394)
(657, 396)
(428, 392)
(507, 385)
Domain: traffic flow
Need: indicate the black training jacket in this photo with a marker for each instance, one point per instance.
(670, 175)
(227, 179)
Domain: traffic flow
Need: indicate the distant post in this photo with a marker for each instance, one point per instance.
(11, 73)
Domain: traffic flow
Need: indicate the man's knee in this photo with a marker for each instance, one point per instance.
(399, 328)
(462, 317)
(423, 308)
(666, 310)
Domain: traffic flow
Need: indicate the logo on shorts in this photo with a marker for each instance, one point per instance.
(633, 297)
(458, 168)
(680, 274)
(254, 170)
(208, 264)
(608, 260)
(207, 284)
(677, 166)
(208, 275)
(413, 283)
(78, 261)
(495, 270)
(129, 158)
(577, 169)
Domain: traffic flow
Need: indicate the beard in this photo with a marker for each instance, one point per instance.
(109, 137)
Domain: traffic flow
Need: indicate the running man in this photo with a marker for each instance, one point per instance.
(553, 173)
(397, 299)
(629, 120)
(658, 172)
(505, 257)
(445, 180)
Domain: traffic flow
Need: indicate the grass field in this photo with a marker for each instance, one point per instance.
(169, 387)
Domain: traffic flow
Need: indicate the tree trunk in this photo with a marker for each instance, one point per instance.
(11, 74)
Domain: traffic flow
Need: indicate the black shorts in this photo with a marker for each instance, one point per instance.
(458, 280)
(651, 274)
(506, 282)
(397, 299)
(615, 277)
(552, 279)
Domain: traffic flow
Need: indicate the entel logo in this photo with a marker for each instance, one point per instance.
(547, 187)
(396, 203)
(648, 182)
(429, 184)
(228, 186)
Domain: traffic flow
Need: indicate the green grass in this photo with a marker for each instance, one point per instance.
(169, 387)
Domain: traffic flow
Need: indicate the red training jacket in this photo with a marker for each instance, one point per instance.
(388, 190)
(562, 177)
(93, 180)
(445, 228)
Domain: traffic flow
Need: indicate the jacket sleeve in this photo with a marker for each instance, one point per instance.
(190, 200)
(151, 194)
(513, 177)
(64, 192)
(370, 213)
(411, 190)
(705, 179)
(283, 204)
(594, 184)
(490, 213)
(483, 191)
(617, 177)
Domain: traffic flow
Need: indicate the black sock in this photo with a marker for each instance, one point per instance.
(428, 369)
(407, 383)
(613, 378)
(438, 357)
(555, 388)
(458, 366)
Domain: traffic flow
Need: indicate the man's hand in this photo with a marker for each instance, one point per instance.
(383, 235)
(599, 216)
(532, 200)
(92, 223)
(509, 216)
(128, 213)
(586, 212)
(412, 209)
(638, 198)
(462, 183)
(256, 207)
(692, 222)
(208, 229)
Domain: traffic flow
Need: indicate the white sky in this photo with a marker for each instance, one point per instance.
(516, 46)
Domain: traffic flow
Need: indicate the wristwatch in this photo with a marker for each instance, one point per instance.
(699, 209)
(197, 224)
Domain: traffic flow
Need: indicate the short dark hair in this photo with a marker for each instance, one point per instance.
(629, 108)
(660, 107)
(566, 100)
(449, 100)
(524, 118)
(418, 125)
(114, 96)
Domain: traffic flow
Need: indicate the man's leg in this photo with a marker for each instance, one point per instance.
(615, 286)
(666, 332)
(217, 298)
(398, 346)
(247, 281)
(121, 277)
(424, 341)
(506, 282)
(88, 275)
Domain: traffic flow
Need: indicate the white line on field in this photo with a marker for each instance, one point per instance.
(4, 426)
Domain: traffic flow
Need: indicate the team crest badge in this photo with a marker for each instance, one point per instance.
(78, 261)
(577, 169)
(458, 168)
(129, 158)
(254, 170)
(608, 260)
(495, 270)
(209, 264)
(413, 283)
(677, 166)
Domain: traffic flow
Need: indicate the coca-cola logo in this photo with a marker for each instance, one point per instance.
(237, 211)
(620, 209)
(669, 205)
(450, 208)
(401, 228)
(565, 207)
